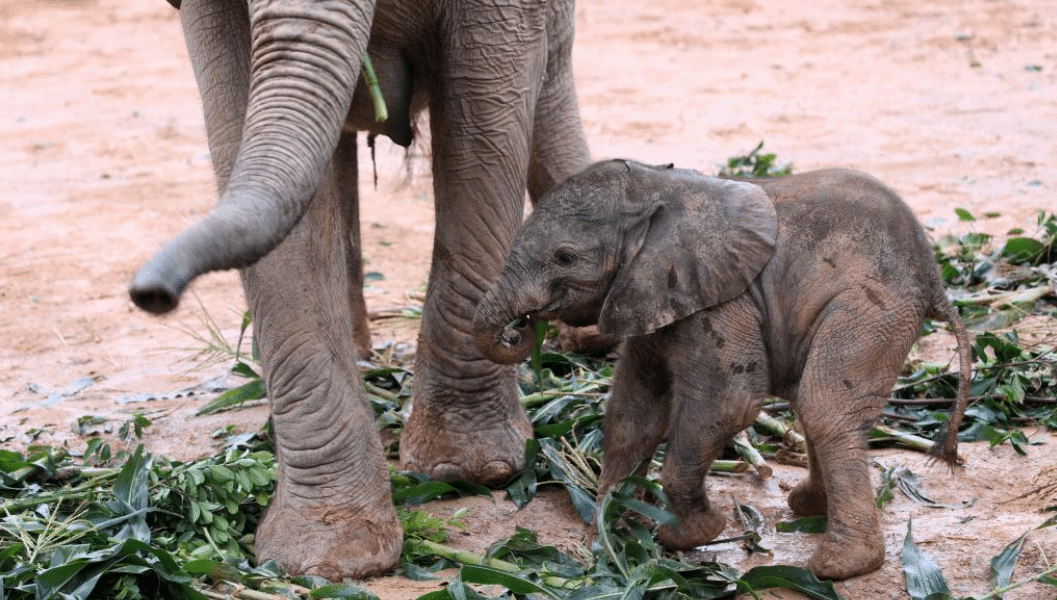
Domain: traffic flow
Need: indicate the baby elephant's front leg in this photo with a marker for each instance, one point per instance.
(699, 521)
(636, 419)
(691, 450)
(700, 430)
(715, 395)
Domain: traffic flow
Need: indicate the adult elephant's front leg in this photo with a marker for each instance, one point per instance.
(332, 514)
(466, 420)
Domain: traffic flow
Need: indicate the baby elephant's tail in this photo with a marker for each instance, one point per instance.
(945, 446)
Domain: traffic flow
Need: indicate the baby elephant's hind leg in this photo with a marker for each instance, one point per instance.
(842, 392)
(808, 498)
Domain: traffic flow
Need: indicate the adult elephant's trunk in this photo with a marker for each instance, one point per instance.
(503, 325)
(306, 58)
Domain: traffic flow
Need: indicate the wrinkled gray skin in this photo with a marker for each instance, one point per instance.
(811, 287)
(283, 97)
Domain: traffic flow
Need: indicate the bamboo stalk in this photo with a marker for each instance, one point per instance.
(530, 400)
(907, 440)
(242, 594)
(464, 557)
(381, 114)
(751, 455)
(469, 558)
(729, 466)
(380, 392)
(789, 436)
(82, 491)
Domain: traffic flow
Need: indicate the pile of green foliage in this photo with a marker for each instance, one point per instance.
(125, 524)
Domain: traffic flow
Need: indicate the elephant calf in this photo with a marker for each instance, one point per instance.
(811, 287)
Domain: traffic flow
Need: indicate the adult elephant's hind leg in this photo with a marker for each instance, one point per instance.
(332, 513)
(466, 420)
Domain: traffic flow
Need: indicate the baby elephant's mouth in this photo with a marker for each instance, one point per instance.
(514, 333)
(547, 312)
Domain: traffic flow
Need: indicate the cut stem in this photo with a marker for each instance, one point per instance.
(751, 455)
(729, 466)
(907, 440)
(381, 114)
(469, 558)
(791, 438)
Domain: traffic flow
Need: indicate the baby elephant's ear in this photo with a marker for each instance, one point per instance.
(699, 241)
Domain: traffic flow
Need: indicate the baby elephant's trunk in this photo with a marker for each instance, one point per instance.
(502, 328)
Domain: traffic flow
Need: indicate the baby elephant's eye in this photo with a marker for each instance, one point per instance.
(564, 258)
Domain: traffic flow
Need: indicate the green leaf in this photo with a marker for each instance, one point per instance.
(51, 580)
(964, 215)
(221, 473)
(1002, 565)
(132, 494)
(523, 488)
(646, 509)
(511, 581)
(214, 570)
(789, 578)
(923, 576)
(235, 397)
(583, 502)
(244, 370)
(1022, 249)
(431, 490)
(260, 476)
(343, 590)
(417, 573)
(436, 595)
(815, 524)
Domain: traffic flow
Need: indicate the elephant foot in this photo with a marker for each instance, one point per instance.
(808, 500)
(839, 557)
(481, 447)
(585, 340)
(695, 528)
(329, 541)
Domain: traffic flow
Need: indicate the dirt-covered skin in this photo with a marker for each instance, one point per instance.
(810, 287)
(104, 138)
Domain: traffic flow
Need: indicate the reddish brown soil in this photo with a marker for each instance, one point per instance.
(953, 103)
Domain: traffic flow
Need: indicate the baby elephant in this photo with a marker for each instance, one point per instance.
(811, 287)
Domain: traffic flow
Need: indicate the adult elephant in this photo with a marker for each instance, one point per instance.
(283, 98)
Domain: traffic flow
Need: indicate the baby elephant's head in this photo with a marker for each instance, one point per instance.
(630, 247)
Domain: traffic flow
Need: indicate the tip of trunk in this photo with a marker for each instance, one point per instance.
(507, 344)
(155, 299)
(157, 286)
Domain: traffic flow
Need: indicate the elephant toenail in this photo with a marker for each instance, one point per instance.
(447, 472)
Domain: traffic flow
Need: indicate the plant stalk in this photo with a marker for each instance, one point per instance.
(241, 594)
(908, 440)
(997, 593)
(752, 456)
(729, 466)
(791, 438)
(535, 398)
(469, 558)
(381, 114)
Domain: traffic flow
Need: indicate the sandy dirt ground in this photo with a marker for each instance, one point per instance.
(103, 157)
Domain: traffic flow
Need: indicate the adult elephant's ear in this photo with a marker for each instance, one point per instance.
(693, 242)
